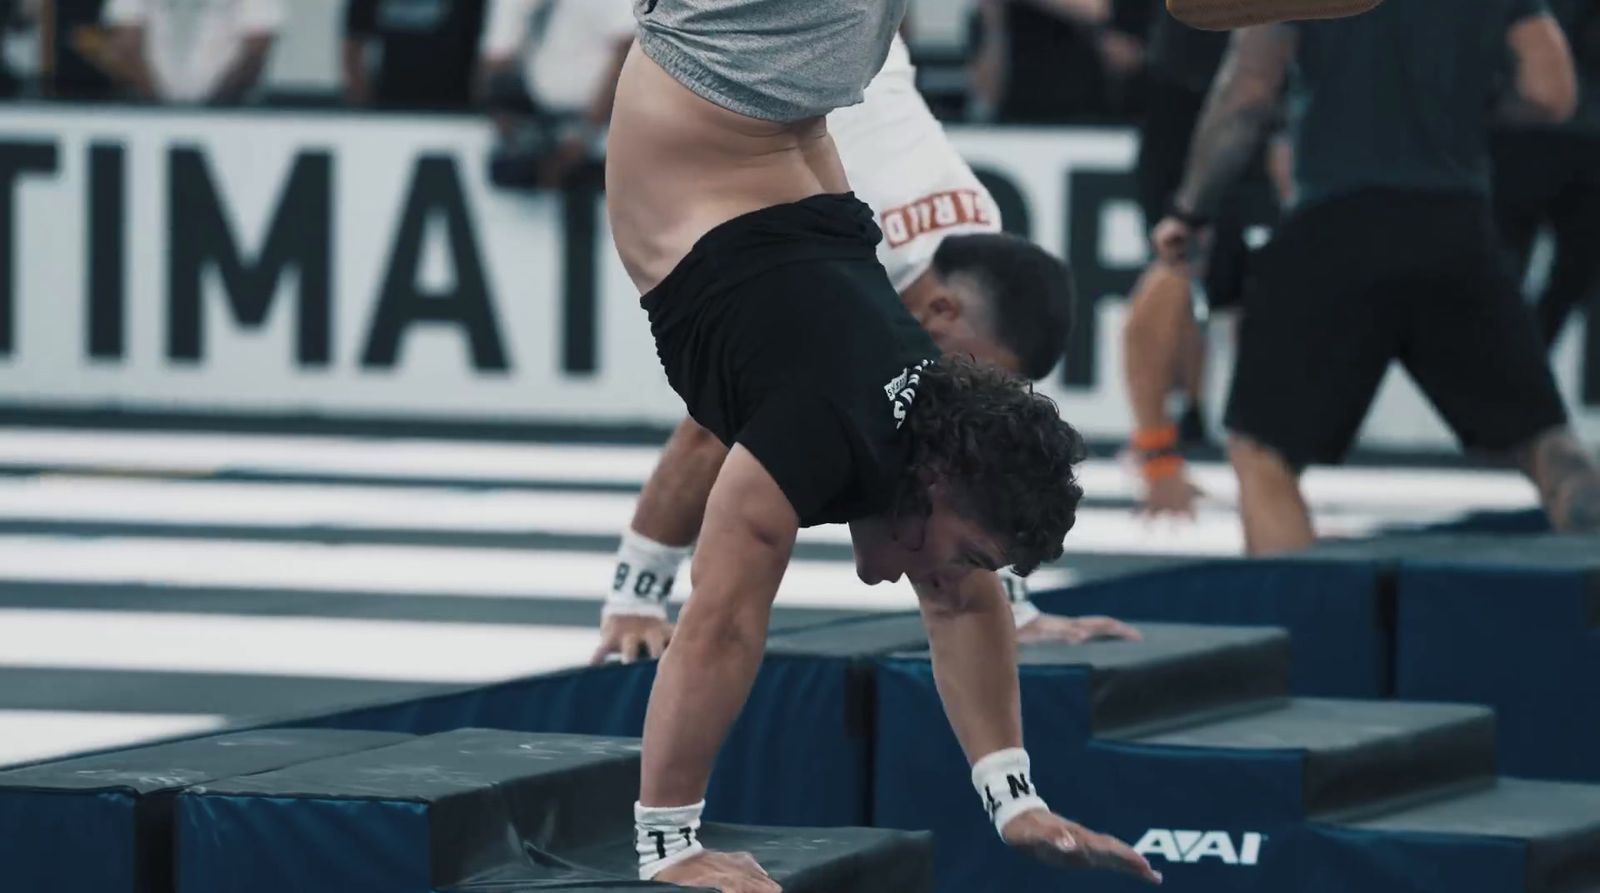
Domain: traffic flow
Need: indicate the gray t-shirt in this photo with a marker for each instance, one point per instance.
(1401, 97)
(776, 60)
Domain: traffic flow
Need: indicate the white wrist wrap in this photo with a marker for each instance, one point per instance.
(645, 573)
(1023, 610)
(665, 836)
(1003, 782)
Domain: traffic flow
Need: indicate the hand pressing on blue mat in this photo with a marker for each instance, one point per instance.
(725, 872)
(1055, 841)
(1034, 625)
(627, 638)
(1076, 630)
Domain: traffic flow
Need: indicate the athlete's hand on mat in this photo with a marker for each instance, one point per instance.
(1076, 630)
(727, 872)
(1170, 495)
(1055, 841)
(630, 637)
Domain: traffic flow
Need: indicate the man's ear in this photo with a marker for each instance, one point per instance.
(945, 305)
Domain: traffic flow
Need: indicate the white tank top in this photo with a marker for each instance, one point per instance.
(901, 163)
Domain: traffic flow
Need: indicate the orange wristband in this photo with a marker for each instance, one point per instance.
(1155, 440)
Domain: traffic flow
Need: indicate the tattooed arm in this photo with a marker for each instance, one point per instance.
(1237, 116)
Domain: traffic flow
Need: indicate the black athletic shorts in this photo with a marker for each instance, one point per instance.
(1352, 284)
(782, 333)
(1171, 113)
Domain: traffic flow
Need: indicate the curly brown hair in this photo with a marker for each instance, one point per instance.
(1004, 451)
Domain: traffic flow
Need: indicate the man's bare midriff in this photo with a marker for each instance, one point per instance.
(678, 165)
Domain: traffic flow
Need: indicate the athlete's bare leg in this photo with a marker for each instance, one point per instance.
(1271, 506)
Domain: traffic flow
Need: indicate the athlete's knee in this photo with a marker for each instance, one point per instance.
(1256, 460)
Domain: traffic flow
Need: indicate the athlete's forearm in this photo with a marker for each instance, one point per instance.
(701, 685)
(1226, 140)
(706, 675)
(973, 639)
(1152, 336)
(673, 501)
(1238, 114)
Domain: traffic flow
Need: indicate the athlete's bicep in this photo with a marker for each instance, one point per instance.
(745, 543)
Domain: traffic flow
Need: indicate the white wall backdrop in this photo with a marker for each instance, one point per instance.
(277, 264)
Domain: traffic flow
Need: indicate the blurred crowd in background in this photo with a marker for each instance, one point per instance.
(1022, 61)
(544, 70)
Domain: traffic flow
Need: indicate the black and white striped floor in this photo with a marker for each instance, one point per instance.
(153, 584)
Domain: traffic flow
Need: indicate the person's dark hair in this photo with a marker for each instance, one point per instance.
(1002, 449)
(1028, 291)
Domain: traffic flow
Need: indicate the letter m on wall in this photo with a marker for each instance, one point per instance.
(297, 237)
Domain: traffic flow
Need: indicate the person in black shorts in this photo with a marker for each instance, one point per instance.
(1390, 252)
(780, 335)
(778, 327)
(784, 337)
(1163, 341)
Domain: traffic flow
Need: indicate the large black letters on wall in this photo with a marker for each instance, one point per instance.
(300, 238)
(107, 273)
(16, 159)
(199, 236)
(580, 275)
(1015, 217)
(435, 189)
(1091, 191)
